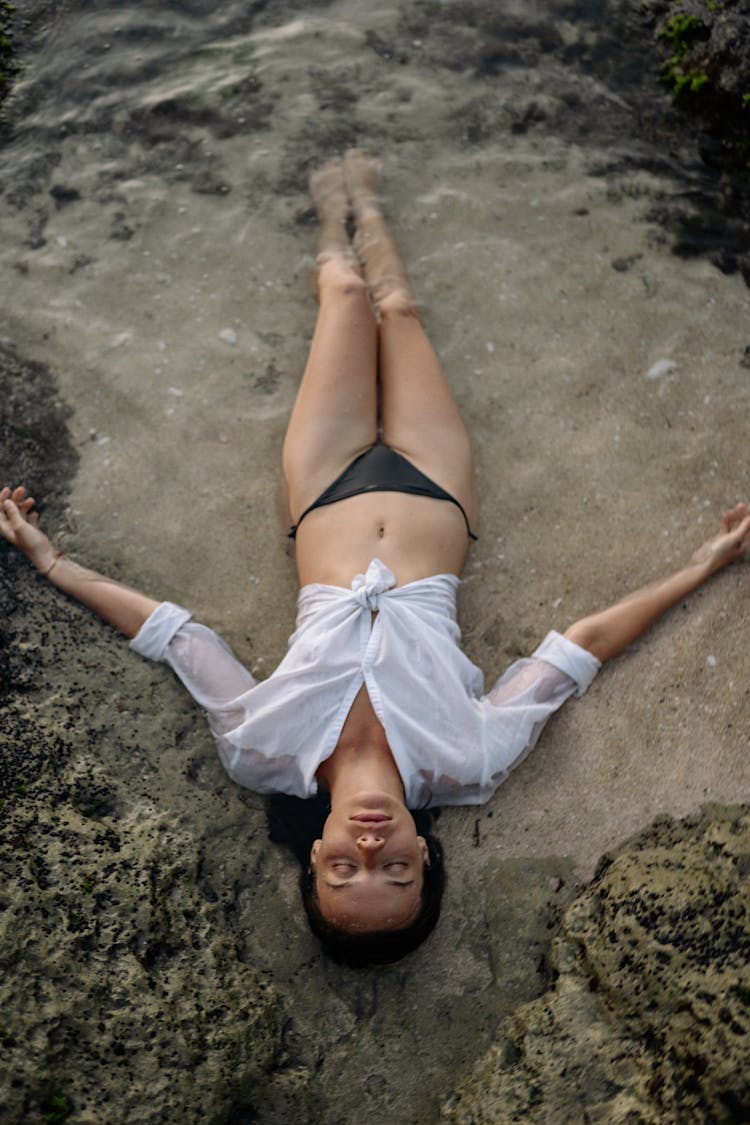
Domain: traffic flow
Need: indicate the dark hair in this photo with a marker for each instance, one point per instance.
(296, 824)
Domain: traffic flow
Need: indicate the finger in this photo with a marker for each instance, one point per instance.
(4, 494)
(18, 494)
(27, 504)
(12, 515)
(739, 534)
(34, 519)
(733, 516)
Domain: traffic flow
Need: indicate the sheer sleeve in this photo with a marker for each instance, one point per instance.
(201, 659)
(525, 697)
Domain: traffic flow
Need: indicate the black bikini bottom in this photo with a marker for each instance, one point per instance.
(380, 469)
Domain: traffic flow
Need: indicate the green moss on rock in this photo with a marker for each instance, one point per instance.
(708, 68)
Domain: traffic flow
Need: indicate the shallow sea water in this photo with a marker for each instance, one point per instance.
(156, 239)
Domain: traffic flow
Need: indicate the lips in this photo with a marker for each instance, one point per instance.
(370, 818)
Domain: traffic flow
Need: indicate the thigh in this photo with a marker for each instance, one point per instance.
(419, 415)
(334, 417)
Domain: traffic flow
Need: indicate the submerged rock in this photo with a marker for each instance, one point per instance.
(649, 1016)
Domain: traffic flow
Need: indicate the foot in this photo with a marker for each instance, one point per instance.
(362, 174)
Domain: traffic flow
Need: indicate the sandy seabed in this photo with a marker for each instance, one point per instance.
(156, 251)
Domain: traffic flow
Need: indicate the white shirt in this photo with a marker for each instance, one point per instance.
(452, 744)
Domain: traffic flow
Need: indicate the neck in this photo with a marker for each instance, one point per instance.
(361, 769)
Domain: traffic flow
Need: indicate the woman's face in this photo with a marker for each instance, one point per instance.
(369, 865)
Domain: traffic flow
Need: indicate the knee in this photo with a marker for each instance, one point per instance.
(340, 280)
(398, 303)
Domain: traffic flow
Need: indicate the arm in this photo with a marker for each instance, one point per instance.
(607, 633)
(121, 606)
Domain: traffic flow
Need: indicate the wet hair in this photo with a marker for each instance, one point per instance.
(297, 824)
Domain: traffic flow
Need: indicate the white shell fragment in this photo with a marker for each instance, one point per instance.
(661, 367)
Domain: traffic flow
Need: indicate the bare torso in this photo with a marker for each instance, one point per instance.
(414, 536)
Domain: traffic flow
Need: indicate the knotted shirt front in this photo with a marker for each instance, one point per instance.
(452, 744)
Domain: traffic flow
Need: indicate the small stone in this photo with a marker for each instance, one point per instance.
(622, 265)
(660, 368)
(228, 335)
(62, 195)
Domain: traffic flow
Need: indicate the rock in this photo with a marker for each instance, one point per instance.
(649, 1016)
(121, 985)
(36, 451)
(708, 64)
(705, 49)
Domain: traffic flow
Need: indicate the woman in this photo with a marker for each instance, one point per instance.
(374, 703)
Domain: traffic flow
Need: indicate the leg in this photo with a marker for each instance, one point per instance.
(334, 417)
(419, 416)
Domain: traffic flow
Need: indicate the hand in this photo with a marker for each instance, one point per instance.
(730, 544)
(18, 526)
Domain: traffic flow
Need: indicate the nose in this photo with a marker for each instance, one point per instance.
(370, 842)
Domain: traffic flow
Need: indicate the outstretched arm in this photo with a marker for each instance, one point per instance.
(607, 633)
(121, 606)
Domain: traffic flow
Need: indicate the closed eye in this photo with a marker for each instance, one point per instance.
(388, 883)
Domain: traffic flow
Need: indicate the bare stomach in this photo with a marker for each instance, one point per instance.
(415, 536)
